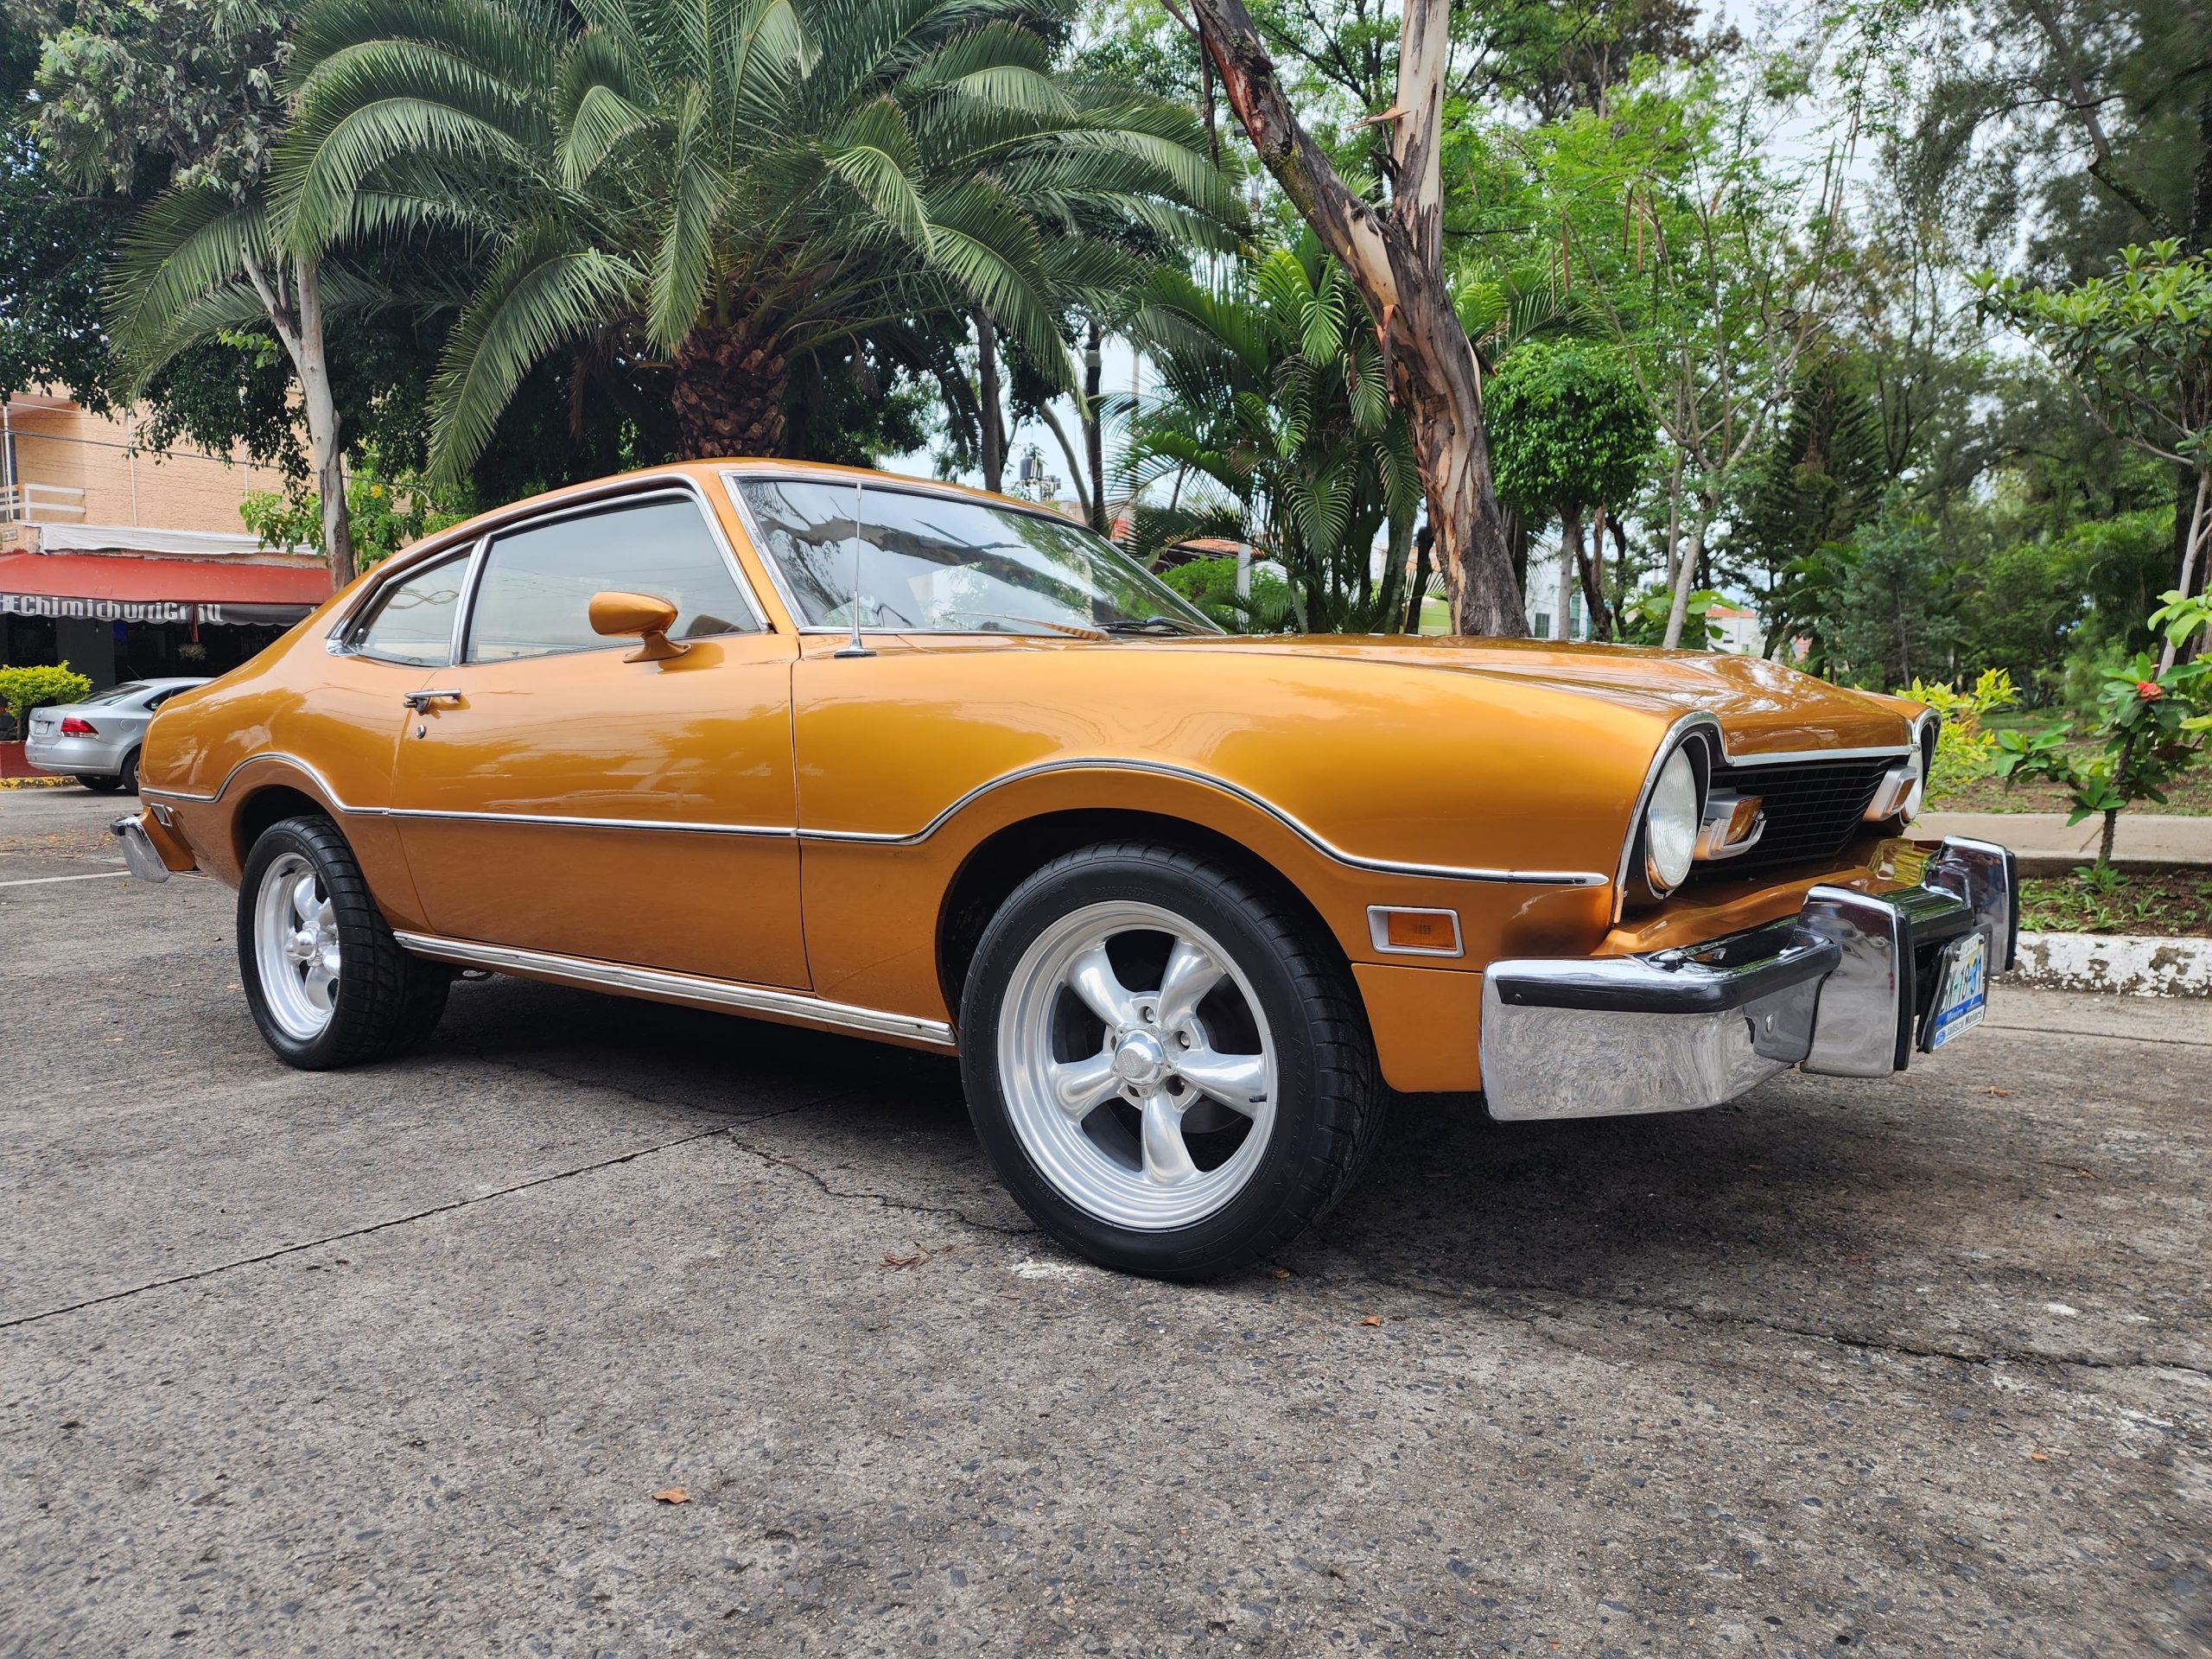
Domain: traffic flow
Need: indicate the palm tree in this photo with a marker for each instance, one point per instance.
(1277, 403)
(202, 262)
(692, 195)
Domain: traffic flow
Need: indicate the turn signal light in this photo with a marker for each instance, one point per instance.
(1415, 932)
(73, 727)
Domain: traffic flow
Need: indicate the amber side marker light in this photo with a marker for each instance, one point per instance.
(1413, 932)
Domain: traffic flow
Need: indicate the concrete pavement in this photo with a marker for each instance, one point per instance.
(392, 1361)
(2048, 845)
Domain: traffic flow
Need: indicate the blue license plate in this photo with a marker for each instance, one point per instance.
(1961, 991)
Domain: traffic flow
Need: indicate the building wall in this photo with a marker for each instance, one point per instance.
(65, 448)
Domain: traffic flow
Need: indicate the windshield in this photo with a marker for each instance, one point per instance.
(122, 693)
(933, 564)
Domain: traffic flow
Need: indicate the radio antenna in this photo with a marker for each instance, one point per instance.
(854, 647)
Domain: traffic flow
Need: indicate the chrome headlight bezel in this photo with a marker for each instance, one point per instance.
(1644, 872)
(1903, 789)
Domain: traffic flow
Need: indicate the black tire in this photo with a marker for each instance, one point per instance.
(1330, 1097)
(128, 782)
(386, 1001)
(98, 784)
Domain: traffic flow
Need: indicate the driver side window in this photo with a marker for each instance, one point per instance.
(534, 598)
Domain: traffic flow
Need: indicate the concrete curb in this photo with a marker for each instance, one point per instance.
(2133, 964)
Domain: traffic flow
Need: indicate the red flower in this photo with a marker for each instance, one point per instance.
(2149, 691)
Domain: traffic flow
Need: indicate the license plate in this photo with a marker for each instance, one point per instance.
(40, 728)
(1961, 991)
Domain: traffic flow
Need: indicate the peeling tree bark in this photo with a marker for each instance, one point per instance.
(1394, 257)
(986, 392)
(295, 307)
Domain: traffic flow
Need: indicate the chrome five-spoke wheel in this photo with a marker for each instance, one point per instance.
(295, 935)
(1138, 1068)
(326, 982)
(1165, 1057)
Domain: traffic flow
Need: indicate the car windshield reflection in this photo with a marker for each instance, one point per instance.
(929, 564)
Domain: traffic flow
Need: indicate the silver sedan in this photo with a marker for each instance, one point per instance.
(97, 740)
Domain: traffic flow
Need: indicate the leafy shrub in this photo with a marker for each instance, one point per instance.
(25, 688)
(386, 512)
(1210, 584)
(1964, 751)
(1643, 619)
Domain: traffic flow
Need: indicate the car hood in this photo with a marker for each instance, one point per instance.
(1763, 708)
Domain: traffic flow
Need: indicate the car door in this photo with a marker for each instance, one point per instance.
(555, 795)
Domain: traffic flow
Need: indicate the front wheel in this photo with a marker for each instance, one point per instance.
(98, 784)
(327, 983)
(1165, 1061)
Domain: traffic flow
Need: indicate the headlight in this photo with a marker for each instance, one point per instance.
(1670, 824)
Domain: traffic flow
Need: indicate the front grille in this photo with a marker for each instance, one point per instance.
(1814, 808)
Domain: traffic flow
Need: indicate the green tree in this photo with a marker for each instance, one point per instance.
(2137, 343)
(1571, 432)
(1276, 399)
(1892, 619)
(191, 91)
(711, 193)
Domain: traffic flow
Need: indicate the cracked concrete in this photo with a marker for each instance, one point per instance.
(391, 1360)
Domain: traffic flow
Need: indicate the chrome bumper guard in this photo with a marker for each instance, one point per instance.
(1840, 988)
(138, 850)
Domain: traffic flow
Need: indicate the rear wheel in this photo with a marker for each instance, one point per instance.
(128, 782)
(1166, 1062)
(327, 983)
(98, 784)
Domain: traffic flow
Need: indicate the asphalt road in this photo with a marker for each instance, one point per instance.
(393, 1361)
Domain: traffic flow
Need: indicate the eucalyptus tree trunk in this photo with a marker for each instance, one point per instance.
(292, 295)
(1094, 437)
(987, 387)
(1692, 561)
(2194, 552)
(1570, 567)
(1394, 257)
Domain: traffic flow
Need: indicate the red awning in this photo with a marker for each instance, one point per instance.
(124, 589)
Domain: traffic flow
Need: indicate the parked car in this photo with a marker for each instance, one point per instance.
(893, 758)
(99, 740)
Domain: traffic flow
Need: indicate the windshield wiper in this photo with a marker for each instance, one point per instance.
(1150, 624)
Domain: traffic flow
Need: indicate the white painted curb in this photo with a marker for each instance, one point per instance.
(2133, 964)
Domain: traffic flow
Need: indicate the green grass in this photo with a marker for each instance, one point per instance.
(2173, 906)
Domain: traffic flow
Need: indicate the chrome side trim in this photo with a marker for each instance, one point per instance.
(223, 788)
(562, 821)
(624, 979)
(909, 838)
(1384, 866)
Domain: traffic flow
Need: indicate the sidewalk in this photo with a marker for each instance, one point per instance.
(2047, 846)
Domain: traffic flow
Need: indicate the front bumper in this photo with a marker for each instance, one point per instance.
(1842, 988)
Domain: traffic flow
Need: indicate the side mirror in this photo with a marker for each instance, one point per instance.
(621, 616)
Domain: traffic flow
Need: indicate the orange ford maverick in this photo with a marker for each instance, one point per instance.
(900, 758)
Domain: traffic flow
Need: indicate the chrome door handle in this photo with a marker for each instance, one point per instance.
(418, 701)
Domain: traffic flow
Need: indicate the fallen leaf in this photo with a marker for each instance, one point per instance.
(673, 1495)
(1372, 1318)
(1282, 1273)
(2038, 1457)
(913, 1261)
(2001, 1094)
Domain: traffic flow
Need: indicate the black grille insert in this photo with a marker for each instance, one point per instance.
(1814, 808)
